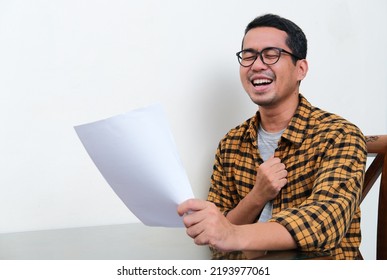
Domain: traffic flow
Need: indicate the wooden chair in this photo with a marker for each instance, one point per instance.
(377, 148)
(377, 155)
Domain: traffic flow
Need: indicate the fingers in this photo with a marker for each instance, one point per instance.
(273, 168)
(274, 164)
(195, 213)
(282, 174)
(281, 183)
(191, 205)
(208, 227)
(271, 178)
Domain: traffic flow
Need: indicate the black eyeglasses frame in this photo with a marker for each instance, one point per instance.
(259, 54)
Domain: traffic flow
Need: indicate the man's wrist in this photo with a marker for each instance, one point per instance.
(239, 238)
(254, 200)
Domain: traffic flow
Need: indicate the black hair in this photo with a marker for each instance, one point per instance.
(296, 40)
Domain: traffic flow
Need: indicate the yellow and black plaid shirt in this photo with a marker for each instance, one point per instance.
(325, 157)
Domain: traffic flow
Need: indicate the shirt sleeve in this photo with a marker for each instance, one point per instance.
(325, 217)
(222, 191)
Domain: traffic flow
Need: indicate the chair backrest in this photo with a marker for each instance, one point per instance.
(377, 148)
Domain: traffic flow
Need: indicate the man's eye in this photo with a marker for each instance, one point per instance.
(271, 56)
(248, 56)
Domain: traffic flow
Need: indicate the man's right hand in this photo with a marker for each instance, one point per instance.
(271, 178)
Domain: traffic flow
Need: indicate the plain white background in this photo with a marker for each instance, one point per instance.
(68, 62)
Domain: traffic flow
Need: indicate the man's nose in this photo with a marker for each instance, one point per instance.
(258, 64)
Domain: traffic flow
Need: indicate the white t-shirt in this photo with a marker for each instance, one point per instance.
(267, 143)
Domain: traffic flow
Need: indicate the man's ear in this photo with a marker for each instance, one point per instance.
(302, 69)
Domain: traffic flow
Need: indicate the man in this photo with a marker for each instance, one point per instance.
(289, 177)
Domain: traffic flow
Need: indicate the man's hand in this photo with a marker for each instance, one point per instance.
(271, 178)
(207, 225)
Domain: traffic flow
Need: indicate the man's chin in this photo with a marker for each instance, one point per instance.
(262, 99)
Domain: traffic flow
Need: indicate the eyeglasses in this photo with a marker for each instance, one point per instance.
(268, 56)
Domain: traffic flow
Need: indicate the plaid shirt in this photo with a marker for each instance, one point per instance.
(325, 157)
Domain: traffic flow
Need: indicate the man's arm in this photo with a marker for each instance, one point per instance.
(271, 178)
(207, 226)
(330, 212)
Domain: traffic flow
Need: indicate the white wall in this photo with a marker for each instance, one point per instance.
(68, 62)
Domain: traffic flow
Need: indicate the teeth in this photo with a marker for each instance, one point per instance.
(261, 81)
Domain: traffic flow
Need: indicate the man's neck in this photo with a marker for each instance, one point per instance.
(274, 119)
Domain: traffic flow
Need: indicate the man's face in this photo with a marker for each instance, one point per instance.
(271, 85)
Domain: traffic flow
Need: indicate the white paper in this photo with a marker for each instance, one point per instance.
(136, 154)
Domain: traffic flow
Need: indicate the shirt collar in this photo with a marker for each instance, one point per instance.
(296, 130)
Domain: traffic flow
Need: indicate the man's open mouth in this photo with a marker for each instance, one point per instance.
(261, 82)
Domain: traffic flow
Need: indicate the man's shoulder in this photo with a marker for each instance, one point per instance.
(321, 125)
(326, 121)
(330, 128)
(319, 117)
(242, 133)
(242, 129)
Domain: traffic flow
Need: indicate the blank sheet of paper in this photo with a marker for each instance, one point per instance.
(136, 154)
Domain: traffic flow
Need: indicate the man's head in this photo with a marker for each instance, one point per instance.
(273, 61)
(296, 40)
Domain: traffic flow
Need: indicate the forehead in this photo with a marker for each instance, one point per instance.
(263, 37)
